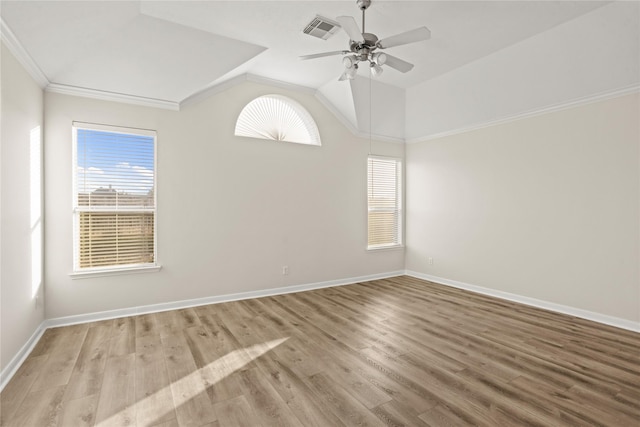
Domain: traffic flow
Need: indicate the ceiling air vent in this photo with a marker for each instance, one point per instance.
(321, 27)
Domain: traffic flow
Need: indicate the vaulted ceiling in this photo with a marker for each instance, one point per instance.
(172, 51)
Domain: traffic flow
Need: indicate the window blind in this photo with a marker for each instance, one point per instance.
(384, 177)
(277, 118)
(114, 198)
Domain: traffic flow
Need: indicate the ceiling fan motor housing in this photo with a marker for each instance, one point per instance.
(366, 47)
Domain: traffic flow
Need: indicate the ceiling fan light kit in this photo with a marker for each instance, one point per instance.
(363, 46)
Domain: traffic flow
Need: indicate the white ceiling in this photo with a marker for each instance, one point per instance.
(170, 50)
(486, 60)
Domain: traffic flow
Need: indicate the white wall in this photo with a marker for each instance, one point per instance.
(22, 111)
(546, 207)
(598, 52)
(231, 211)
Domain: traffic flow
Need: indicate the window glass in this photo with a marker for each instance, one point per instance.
(114, 198)
(384, 177)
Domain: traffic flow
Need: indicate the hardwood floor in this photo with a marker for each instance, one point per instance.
(399, 351)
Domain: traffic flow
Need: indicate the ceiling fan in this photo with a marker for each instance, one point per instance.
(363, 47)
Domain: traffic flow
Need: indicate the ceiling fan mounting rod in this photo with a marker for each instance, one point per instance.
(363, 5)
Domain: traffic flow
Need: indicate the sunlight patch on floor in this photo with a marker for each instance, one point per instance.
(198, 381)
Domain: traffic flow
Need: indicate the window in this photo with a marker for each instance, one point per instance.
(384, 190)
(277, 118)
(114, 198)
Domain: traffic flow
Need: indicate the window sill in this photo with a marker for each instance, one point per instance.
(384, 248)
(114, 272)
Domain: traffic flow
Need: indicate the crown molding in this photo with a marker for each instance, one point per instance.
(279, 83)
(220, 87)
(247, 77)
(601, 96)
(212, 90)
(10, 40)
(242, 78)
(15, 47)
(112, 96)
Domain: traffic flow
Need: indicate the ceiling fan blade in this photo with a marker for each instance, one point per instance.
(412, 36)
(349, 25)
(320, 55)
(398, 64)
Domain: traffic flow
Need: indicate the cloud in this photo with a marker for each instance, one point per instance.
(122, 177)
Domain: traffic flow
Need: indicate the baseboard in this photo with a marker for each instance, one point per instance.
(9, 371)
(155, 308)
(559, 308)
(12, 367)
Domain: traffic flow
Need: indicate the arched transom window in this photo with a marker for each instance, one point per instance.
(277, 118)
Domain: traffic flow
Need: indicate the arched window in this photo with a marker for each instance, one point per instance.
(277, 118)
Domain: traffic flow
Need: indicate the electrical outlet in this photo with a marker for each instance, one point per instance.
(430, 261)
(285, 270)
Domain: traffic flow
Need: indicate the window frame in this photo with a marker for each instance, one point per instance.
(86, 272)
(399, 243)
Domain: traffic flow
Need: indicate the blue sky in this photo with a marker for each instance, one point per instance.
(123, 161)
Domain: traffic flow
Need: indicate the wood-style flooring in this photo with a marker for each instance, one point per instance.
(398, 351)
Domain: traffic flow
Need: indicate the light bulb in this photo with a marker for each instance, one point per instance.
(376, 70)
